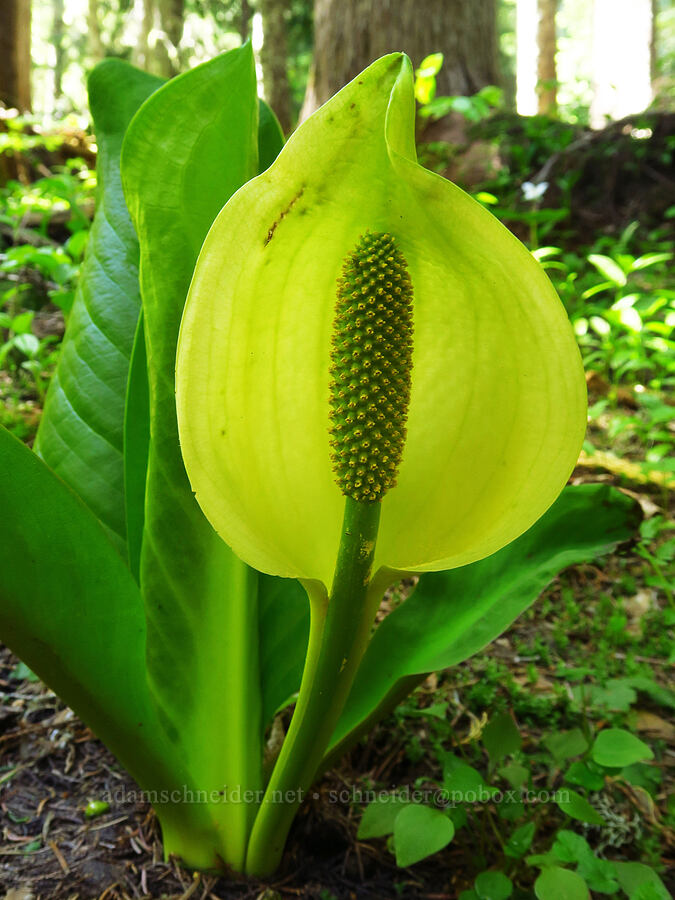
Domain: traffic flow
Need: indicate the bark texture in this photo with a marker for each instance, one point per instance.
(546, 49)
(15, 54)
(171, 16)
(157, 47)
(274, 59)
(350, 34)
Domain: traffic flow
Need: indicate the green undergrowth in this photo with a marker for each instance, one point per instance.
(45, 215)
(548, 752)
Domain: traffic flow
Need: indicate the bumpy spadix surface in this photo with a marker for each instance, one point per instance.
(371, 368)
(497, 396)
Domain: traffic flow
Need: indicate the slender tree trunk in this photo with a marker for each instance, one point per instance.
(15, 61)
(96, 51)
(654, 47)
(546, 50)
(171, 17)
(245, 20)
(350, 34)
(141, 53)
(59, 49)
(274, 58)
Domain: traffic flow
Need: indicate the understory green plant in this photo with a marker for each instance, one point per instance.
(572, 778)
(117, 590)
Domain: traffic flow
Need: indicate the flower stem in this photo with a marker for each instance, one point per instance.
(339, 632)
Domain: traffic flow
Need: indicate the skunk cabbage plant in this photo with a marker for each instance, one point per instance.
(374, 379)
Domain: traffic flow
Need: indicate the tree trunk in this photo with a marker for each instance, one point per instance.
(15, 54)
(171, 16)
(141, 52)
(274, 58)
(59, 49)
(654, 47)
(350, 34)
(95, 44)
(160, 34)
(245, 20)
(546, 50)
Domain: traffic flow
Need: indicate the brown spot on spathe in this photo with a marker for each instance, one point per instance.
(282, 215)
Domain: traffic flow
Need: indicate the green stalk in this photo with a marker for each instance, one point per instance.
(339, 632)
(242, 760)
(398, 692)
(230, 760)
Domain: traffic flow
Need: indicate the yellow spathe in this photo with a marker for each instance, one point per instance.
(498, 401)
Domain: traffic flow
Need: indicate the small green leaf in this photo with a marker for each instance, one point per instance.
(570, 847)
(464, 783)
(608, 268)
(556, 883)
(566, 744)
(379, 817)
(542, 860)
(630, 319)
(520, 841)
(27, 344)
(430, 65)
(599, 874)
(515, 774)
(21, 324)
(32, 847)
(648, 891)
(645, 776)
(650, 259)
(487, 199)
(616, 748)
(21, 672)
(458, 816)
(493, 886)
(577, 807)
(511, 810)
(501, 737)
(96, 808)
(600, 326)
(616, 694)
(635, 877)
(544, 252)
(661, 695)
(420, 831)
(580, 773)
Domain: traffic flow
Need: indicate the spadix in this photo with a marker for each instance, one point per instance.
(370, 369)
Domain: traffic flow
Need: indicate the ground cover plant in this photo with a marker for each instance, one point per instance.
(547, 542)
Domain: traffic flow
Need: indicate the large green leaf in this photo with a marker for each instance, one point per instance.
(80, 435)
(284, 630)
(191, 146)
(452, 615)
(70, 609)
(270, 136)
